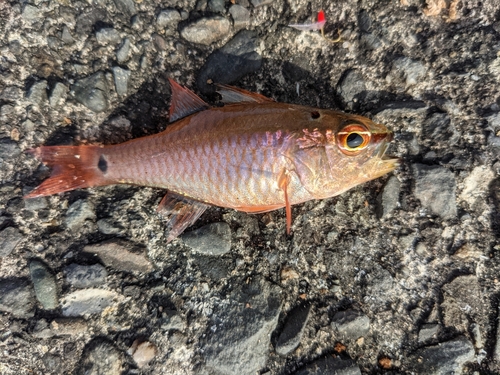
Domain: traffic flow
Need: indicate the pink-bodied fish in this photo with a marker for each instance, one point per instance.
(252, 155)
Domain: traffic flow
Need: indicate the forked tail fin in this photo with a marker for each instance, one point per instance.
(73, 167)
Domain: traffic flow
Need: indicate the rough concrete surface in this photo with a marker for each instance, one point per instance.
(415, 253)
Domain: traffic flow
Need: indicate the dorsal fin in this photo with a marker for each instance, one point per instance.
(184, 102)
(232, 94)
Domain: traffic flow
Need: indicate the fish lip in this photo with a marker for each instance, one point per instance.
(390, 162)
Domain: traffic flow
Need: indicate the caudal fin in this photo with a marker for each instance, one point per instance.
(73, 167)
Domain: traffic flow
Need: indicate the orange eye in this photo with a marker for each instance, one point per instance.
(353, 138)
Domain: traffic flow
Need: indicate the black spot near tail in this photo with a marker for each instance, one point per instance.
(102, 164)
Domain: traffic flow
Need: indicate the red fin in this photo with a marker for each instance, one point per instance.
(321, 16)
(73, 167)
(232, 94)
(184, 102)
(181, 213)
(283, 182)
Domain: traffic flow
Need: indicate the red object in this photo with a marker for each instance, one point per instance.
(321, 16)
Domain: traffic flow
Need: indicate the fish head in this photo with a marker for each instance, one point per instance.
(352, 151)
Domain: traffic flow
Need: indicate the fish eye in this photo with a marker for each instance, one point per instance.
(353, 138)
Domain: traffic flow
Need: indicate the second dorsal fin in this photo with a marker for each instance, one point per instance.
(232, 95)
(184, 102)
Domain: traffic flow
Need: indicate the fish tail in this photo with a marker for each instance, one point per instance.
(73, 167)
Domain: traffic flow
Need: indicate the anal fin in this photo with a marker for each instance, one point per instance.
(181, 212)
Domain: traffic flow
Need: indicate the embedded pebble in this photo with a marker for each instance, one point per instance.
(207, 30)
(211, 239)
(289, 338)
(435, 187)
(412, 71)
(216, 6)
(168, 18)
(121, 80)
(17, 297)
(88, 301)
(58, 95)
(81, 276)
(427, 332)
(228, 64)
(66, 36)
(476, 185)
(446, 358)
(123, 52)
(350, 88)
(9, 239)
(108, 226)
(143, 352)
(260, 3)
(78, 213)
(350, 324)
(92, 92)
(107, 35)
(126, 7)
(438, 130)
(388, 199)
(31, 12)
(37, 94)
(116, 255)
(45, 285)
(240, 15)
(173, 321)
(60, 327)
(241, 344)
(101, 357)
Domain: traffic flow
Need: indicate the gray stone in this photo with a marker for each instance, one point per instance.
(240, 15)
(435, 187)
(242, 325)
(78, 213)
(211, 239)
(330, 366)
(428, 332)
(88, 301)
(173, 321)
(123, 51)
(92, 92)
(126, 7)
(35, 204)
(108, 226)
(143, 353)
(116, 255)
(66, 36)
(80, 276)
(11, 93)
(236, 59)
(9, 239)
(438, 130)
(8, 150)
(17, 297)
(31, 12)
(168, 18)
(388, 199)
(101, 357)
(350, 324)
(58, 95)
(412, 71)
(60, 327)
(445, 358)
(107, 35)
(216, 6)
(45, 285)
(289, 339)
(350, 88)
(260, 3)
(207, 30)
(121, 80)
(37, 94)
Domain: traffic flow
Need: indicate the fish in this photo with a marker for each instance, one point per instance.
(253, 155)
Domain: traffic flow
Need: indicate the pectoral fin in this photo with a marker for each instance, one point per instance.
(181, 212)
(283, 183)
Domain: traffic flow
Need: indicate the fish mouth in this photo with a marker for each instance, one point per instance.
(386, 163)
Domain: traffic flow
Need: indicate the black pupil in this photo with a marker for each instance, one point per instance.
(354, 140)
